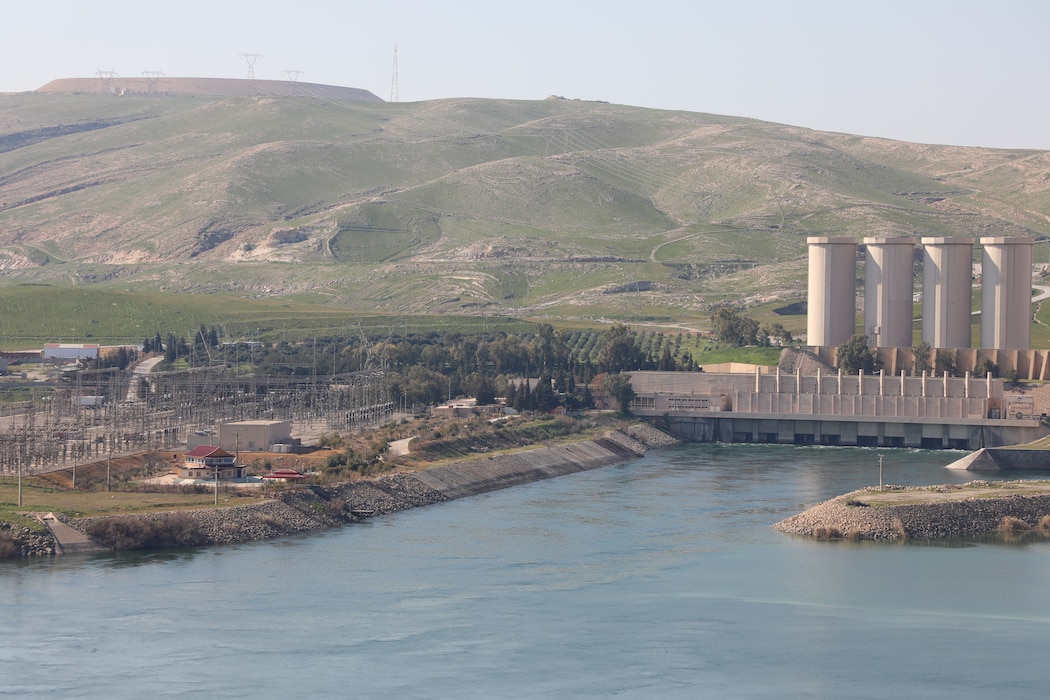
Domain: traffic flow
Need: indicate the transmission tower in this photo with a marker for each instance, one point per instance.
(395, 90)
(151, 80)
(106, 76)
(250, 59)
(294, 75)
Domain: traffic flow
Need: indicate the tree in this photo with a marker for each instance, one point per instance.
(666, 363)
(921, 351)
(732, 329)
(855, 355)
(543, 396)
(619, 352)
(946, 359)
(774, 333)
(485, 392)
(985, 367)
(619, 389)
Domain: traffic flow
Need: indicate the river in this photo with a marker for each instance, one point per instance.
(657, 578)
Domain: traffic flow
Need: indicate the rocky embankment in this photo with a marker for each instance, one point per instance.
(15, 541)
(307, 509)
(942, 514)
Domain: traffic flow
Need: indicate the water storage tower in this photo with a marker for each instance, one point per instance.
(888, 277)
(832, 314)
(947, 269)
(1006, 293)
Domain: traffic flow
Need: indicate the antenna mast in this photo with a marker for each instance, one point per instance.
(395, 90)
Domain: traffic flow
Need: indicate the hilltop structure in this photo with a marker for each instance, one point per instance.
(224, 87)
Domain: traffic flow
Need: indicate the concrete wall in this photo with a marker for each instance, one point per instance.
(877, 411)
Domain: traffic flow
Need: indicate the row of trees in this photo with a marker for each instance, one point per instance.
(856, 354)
(730, 328)
(434, 367)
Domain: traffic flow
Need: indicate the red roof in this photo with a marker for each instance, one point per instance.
(208, 451)
(286, 474)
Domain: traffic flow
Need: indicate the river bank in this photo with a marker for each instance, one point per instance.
(316, 508)
(926, 512)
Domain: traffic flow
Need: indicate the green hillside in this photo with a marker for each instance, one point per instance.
(566, 210)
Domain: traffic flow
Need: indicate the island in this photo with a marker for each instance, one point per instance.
(927, 512)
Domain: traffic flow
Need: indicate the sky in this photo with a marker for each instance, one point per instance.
(959, 72)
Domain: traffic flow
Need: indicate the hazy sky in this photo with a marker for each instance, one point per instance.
(960, 72)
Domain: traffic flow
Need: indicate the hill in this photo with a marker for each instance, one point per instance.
(550, 208)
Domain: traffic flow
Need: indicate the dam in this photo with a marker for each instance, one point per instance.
(881, 410)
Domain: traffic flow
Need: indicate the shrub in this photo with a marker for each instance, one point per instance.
(129, 533)
(898, 527)
(9, 546)
(269, 521)
(1044, 522)
(827, 532)
(1010, 524)
(336, 508)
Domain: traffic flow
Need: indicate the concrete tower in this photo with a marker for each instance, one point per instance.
(888, 291)
(947, 270)
(1006, 293)
(832, 315)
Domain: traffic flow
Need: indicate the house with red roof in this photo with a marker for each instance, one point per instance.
(205, 461)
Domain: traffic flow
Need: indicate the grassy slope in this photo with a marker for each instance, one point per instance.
(550, 209)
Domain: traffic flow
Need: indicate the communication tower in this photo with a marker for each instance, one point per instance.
(395, 90)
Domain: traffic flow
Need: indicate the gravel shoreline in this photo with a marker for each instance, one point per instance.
(314, 508)
(844, 517)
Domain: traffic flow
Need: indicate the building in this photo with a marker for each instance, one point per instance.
(254, 435)
(66, 352)
(205, 461)
(286, 475)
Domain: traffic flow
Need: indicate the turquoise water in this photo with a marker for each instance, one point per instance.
(659, 578)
